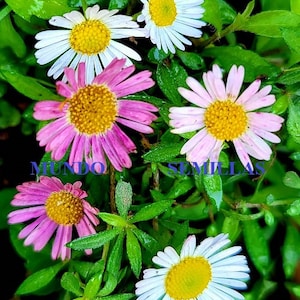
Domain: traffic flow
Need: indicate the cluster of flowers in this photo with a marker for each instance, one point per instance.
(97, 72)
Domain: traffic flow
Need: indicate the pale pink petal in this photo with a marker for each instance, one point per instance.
(265, 121)
(190, 120)
(259, 102)
(249, 92)
(217, 72)
(193, 141)
(208, 79)
(234, 81)
(192, 97)
(200, 90)
(215, 152)
(176, 112)
(242, 154)
(219, 89)
(266, 135)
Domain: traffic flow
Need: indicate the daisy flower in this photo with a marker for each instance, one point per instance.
(55, 209)
(223, 114)
(88, 118)
(204, 271)
(168, 22)
(89, 38)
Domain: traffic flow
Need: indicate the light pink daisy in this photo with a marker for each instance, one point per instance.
(55, 208)
(88, 118)
(222, 114)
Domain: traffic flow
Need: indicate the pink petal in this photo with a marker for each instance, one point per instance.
(25, 214)
(192, 97)
(200, 91)
(265, 121)
(124, 139)
(111, 154)
(70, 76)
(137, 105)
(98, 153)
(259, 103)
(57, 243)
(249, 92)
(234, 81)
(134, 125)
(64, 90)
(266, 135)
(190, 144)
(242, 154)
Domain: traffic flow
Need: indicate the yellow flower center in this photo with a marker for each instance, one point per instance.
(64, 208)
(225, 120)
(89, 37)
(163, 12)
(188, 279)
(93, 109)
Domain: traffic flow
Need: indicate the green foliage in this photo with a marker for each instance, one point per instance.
(161, 199)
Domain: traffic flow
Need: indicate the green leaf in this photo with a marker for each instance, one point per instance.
(43, 9)
(146, 240)
(180, 187)
(230, 55)
(151, 211)
(6, 196)
(113, 220)
(269, 23)
(257, 246)
(39, 279)
(109, 286)
(295, 6)
(163, 152)
(290, 251)
(10, 38)
(9, 115)
(93, 285)
(294, 209)
(213, 188)
(292, 123)
(231, 226)
(94, 241)
(123, 197)
(125, 296)
(292, 38)
(27, 85)
(191, 60)
(157, 56)
(117, 4)
(169, 77)
(228, 14)
(134, 252)
(212, 13)
(115, 257)
(289, 77)
(292, 179)
(71, 283)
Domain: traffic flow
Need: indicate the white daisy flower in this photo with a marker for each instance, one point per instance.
(206, 272)
(169, 21)
(88, 38)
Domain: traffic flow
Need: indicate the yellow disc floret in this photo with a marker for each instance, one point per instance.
(163, 12)
(188, 279)
(93, 109)
(90, 37)
(225, 120)
(64, 208)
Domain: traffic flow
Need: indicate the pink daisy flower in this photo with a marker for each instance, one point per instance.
(55, 208)
(88, 118)
(222, 114)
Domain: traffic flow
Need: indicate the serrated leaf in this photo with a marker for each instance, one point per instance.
(113, 220)
(71, 283)
(257, 246)
(134, 252)
(169, 78)
(269, 23)
(146, 240)
(94, 241)
(150, 211)
(163, 152)
(123, 197)
(115, 257)
(43, 9)
(229, 55)
(39, 279)
(213, 188)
